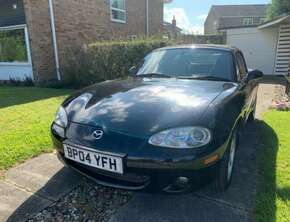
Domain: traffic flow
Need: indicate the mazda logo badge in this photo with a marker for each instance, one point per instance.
(98, 134)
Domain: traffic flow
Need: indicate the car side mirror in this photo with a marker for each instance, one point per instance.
(254, 74)
(133, 71)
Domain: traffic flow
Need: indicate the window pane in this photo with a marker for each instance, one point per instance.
(12, 46)
(120, 4)
(118, 15)
(248, 21)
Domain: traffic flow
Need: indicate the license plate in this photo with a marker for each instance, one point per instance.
(94, 159)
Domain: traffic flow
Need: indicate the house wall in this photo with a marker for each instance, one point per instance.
(155, 16)
(80, 22)
(227, 22)
(258, 46)
(214, 22)
(85, 21)
(211, 24)
(38, 24)
(225, 16)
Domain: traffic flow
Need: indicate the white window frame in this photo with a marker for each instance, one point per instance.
(246, 21)
(119, 10)
(9, 28)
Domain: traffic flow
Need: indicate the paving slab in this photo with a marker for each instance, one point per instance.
(16, 204)
(204, 205)
(45, 175)
(243, 187)
(34, 185)
(266, 94)
(180, 208)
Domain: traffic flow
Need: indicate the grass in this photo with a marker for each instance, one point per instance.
(25, 118)
(273, 191)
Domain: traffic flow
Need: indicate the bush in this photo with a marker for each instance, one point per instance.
(54, 84)
(27, 81)
(105, 60)
(203, 39)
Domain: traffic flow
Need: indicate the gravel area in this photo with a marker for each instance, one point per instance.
(88, 202)
(280, 92)
(281, 100)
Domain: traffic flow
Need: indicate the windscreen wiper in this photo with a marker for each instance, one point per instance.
(202, 77)
(159, 75)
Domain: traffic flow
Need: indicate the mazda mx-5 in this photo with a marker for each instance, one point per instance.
(173, 123)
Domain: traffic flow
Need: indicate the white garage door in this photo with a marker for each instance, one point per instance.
(283, 50)
(258, 46)
(15, 59)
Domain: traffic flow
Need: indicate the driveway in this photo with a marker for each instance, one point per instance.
(203, 205)
(42, 187)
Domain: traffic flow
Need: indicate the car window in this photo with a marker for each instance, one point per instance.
(188, 62)
(242, 68)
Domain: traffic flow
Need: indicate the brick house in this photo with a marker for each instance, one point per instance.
(229, 16)
(43, 31)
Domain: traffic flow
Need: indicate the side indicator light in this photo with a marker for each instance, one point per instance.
(211, 159)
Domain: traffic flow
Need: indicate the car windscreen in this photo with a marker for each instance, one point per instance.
(189, 63)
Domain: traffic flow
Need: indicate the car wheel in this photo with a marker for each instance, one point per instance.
(226, 165)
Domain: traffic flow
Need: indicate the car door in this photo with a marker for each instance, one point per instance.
(249, 88)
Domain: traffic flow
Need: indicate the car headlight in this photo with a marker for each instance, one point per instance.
(184, 137)
(61, 117)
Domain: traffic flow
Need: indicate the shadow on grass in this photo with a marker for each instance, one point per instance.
(11, 96)
(284, 193)
(265, 208)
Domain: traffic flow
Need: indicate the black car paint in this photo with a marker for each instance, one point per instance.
(131, 110)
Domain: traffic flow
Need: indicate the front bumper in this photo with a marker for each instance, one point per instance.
(149, 173)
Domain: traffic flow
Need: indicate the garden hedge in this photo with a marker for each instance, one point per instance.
(106, 60)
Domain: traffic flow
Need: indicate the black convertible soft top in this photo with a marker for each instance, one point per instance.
(206, 46)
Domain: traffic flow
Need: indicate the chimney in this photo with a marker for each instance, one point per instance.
(174, 22)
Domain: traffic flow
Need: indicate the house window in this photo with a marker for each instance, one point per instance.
(118, 11)
(248, 21)
(262, 20)
(13, 46)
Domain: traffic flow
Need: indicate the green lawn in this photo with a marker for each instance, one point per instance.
(25, 118)
(273, 194)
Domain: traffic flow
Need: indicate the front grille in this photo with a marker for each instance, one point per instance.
(126, 179)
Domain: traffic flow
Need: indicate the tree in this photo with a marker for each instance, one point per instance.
(278, 7)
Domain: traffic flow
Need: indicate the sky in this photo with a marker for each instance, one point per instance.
(191, 14)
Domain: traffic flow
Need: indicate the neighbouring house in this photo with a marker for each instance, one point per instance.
(266, 46)
(36, 35)
(229, 16)
(171, 30)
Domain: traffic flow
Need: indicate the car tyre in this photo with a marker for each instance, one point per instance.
(226, 165)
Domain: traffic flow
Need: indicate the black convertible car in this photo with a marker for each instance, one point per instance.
(173, 124)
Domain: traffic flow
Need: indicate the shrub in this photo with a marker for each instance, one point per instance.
(54, 84)
(105, 60)
(27, 81)
(203, 39)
